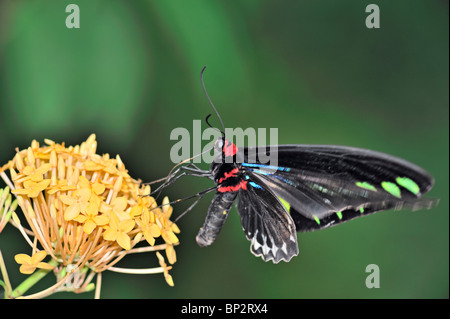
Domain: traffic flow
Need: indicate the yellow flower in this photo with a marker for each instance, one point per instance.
(90, 218)
(168, 230)
(144, 204)
(118, 231)
(101, 163)
(84, 209)
(171, 255)
(32, 189)
(149, 227)
(61, 186)
(33, 174)
(29, 264)
(118, 207)
(166, 208)
(96, 189)
(52, 146)
(76, 204)
(166, 268)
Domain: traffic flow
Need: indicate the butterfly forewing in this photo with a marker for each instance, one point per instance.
(327, 185)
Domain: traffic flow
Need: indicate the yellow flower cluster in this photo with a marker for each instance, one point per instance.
(83, 208)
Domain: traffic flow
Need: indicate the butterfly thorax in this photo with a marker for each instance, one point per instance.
(227, 172)
(229, 177)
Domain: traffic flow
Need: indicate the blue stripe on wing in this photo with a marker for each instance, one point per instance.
(259, 169)
(255, 185)
(278, 168)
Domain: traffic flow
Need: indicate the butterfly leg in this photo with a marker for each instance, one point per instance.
(200, 196)
(185, 171)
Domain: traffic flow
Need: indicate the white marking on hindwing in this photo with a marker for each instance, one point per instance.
(284, 248)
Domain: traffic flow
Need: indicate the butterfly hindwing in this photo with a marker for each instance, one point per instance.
(266, 223)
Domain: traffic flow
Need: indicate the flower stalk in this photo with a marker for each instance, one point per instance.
(6, 283)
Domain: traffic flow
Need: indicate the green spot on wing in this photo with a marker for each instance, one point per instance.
(409, 184)
(285, 204)
(361, 209)
(391, 188)
(366, 185)
(339, 214)
(316, 219)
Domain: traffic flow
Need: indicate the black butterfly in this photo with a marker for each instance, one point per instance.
(312, 187)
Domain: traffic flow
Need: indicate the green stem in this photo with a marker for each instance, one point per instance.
(5, 277)
(31, 280)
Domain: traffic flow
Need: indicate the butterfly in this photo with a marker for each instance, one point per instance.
(311, 187)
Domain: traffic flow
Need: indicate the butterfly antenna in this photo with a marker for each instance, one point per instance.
(210, 102)
(215, 128)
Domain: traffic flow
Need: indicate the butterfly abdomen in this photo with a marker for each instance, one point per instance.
(215, 218)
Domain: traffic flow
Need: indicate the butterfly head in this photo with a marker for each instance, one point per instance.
(224, 159)
(225, 147)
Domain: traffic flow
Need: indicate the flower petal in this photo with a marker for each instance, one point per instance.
(126, 225)
(110, 234)
(123, 240)
(154, 230)
(169, 279)
(71, 212)
(104, 208)
(89, 226)
(83, 194)
(68, 200)
(114, 221)
(91, 209)
(101, 220)
(136, 211)
(36, 177)
(175, 228)
(160, 259)
(22, 191)
(83, 182)
(29, 184)
(43, 169)
(38, 257)
(98, 188)
(27, 269)
(119, 203)
(91, 166)
(145, 218)
(81, 218)
(43, 265)
(165, 204)
(43, 185)
(149, 238)
(33, 193)
(28, 170)
(173, 239)
(171, 255)
(22, 259)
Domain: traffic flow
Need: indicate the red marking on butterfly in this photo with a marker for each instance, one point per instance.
(230, 149)
(232, 173)
(233, 188)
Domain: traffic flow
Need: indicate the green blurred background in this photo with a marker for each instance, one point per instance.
(312, 69)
